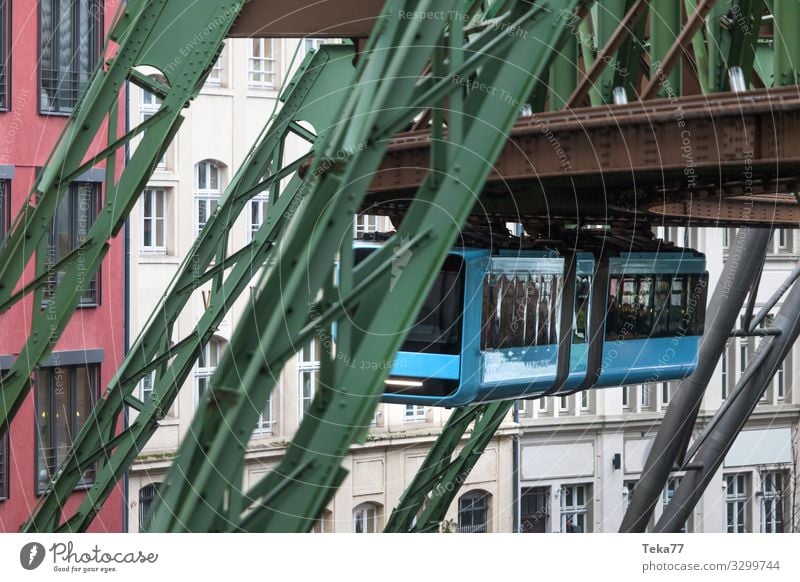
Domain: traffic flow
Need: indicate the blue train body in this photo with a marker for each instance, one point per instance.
(529, 323)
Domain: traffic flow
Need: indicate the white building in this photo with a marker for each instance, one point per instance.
(220, 127)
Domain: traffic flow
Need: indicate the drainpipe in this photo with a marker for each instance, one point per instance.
(516, 452)
(126, 279)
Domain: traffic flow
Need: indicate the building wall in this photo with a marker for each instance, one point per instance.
(221, 125)
(27, 138)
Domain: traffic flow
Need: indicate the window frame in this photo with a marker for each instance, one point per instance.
(740, 501)
(96, 23)
(5, 58)
(154, 249)
(5, 208)
(145, 510)
(567, 511)
(207, 194)
(203, 370)
(93, 369)
(413, 413)
(307, 365)
(258, 205)
(479, 503)
(265, 73)
(5, 488)
(776, 497)
(363, 519)
(73, 195)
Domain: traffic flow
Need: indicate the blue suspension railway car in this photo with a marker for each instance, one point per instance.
(522, 324)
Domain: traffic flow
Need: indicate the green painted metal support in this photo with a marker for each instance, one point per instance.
(290, 498)
(786, 15)
(665, 24)
(425, 502)
(143, 33)
(608, 16)
(317, 77)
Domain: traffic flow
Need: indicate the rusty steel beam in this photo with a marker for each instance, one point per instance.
(311, 18)
(722, 159)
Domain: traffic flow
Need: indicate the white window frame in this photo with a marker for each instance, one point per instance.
(215, 75)
(666, 394)
(365, 518)
(146, 385)
(666, 495)
(155, 248)
(415, 413)
(626, 397)
(209, 195)
(256, 207)
(212, 352)
(645, 400)
(262, 71)
(308, 365)
(571, 509)
(737, 498)
(149, 104)
(724, 371)
(265, 420)
(367, 223)
(780, 380)
(772, 496)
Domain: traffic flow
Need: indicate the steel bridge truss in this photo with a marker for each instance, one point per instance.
(411, 73)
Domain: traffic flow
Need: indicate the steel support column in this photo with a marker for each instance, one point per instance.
(745, 258)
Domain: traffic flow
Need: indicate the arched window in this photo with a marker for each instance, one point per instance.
(366, 518)
(147, 496)
(473, 512)
(207, 191)
(207, 363)
(324, 524)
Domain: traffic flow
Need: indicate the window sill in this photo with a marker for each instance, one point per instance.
(154, 259)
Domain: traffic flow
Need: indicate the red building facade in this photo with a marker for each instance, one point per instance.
(48, 50)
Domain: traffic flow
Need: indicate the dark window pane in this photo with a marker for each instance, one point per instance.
(70, 36)
(5, 55)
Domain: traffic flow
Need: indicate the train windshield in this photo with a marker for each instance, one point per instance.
(437, 328)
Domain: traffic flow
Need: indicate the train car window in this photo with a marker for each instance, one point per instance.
(520, 310)
(647, 306)
(437, 328)
(580, 323)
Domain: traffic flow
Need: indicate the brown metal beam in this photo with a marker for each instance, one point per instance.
(648, 160)
(312, 18)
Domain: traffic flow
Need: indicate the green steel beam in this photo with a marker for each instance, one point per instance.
(608, 17)
(318, 77)
(665, 25)
(786, 15)
(143, 33)
(290, 498)
(426, 500)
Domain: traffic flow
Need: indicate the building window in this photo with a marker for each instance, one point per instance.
(780, 380)
(665, 394)
(772, 500)
(256, 216)
(726, 238)
(473, 512)
(323, 524)
(365, 518)
(628, 487)
(5, 53)
(5, 208)
(207, 363)
(668, 494)
(312, 44)
(584, 400)
(535, 510)
(366, 223)
(724, 375)
(208, 190)
(146, 387)
(781, 241)
(414, 413)
(563, 404)
(147, 496)
(626, 397)
(73, 219)
(216, 74)
(262, 64)
(4, 466)
(65, 397)
(644, 396)
(308, 370)
(736, 497)
(744, 346)
(70, 37)
(265, 421)
(574, 509)
(149, 104)
(155, 226)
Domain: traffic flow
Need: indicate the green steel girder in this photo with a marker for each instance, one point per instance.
(425, 502)
(786, 15)
(665, 24)
(319, 76)
(290, 498)
(144, 33)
